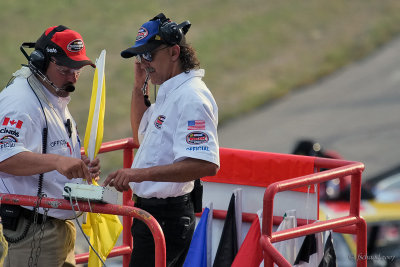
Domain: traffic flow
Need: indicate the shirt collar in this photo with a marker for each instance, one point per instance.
(170, 85)
(59, 102)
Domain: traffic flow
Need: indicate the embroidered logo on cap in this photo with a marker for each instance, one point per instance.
(51, 50)
(142, 33)
(75, 45)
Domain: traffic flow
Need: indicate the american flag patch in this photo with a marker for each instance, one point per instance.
(196, 125)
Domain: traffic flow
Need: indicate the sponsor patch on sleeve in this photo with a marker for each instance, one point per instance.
(8, 131)
(196, 138)
(198, 148)
(12, 123)
(159, 121)
(196, 125)
(8, 141)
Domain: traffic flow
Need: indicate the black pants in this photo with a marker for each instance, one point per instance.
(177, 221)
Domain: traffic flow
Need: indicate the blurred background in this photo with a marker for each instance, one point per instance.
(253, 51)
(268, 64)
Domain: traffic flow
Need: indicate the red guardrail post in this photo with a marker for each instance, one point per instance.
(127, 200)
(128, 146)
(361, 242)
(275, 256)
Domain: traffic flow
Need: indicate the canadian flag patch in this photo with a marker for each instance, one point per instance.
(13, 123)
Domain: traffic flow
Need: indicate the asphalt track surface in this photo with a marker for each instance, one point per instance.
(354, 111)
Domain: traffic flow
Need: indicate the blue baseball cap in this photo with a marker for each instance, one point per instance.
(147, 39)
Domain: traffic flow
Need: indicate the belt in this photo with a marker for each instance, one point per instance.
(160, 201)
(30, 215)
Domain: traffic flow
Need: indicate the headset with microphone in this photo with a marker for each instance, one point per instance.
(172, 34)
(169, 31)
(39, 60)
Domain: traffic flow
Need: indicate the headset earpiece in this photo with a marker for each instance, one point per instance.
(169, 31)
(39, 58)
(39, 61)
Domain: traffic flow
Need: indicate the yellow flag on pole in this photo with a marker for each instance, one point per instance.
(103, 229)
(95, 124)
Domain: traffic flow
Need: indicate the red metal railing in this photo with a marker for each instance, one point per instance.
(126, 210)
(352, 223)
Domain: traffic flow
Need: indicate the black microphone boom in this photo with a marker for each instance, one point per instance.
(43, 77)
(146, 97)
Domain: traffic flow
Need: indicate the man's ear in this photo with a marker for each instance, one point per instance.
(175, 52)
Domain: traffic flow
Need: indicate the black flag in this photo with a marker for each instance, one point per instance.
(228, 247)
(329, 259)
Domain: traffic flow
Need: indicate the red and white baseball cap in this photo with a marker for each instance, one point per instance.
(65, 45)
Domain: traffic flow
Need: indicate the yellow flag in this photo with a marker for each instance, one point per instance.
(95, 124)
(103, 229)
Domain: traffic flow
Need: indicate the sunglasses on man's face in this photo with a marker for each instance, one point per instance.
(148, 56)
(65, 71)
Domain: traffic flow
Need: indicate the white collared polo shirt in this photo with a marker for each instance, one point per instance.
(21, 129)
(181, 124)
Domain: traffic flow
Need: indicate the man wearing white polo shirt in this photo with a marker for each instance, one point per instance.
(177, 135)
(40, 149)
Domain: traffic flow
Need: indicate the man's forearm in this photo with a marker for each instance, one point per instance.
(28, 163)
(183, 171)
(137, 110)
(179, 172)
